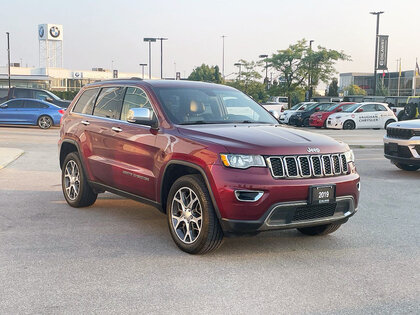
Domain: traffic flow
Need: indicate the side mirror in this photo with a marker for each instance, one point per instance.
(359, 110)
(339, 109)
(142, 116)
(275, 114)
(302, 108)
(4, 106)
(317, 109)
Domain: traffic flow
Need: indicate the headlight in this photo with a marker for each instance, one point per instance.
(242, 161)
(349, 156)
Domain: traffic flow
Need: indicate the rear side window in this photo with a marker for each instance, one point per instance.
(34, 104)
(369, 108)
(109, 103)
(15, 104)
(22, 93)
(381, 108)
(41, 95)
(85, 103)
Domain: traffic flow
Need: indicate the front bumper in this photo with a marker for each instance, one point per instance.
(290, 215)
(406, 151)
(316, 122)
(334, 124)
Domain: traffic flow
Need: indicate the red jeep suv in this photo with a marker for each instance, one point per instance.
(208, 156)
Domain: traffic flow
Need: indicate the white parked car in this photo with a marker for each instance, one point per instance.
(362, 115)
(284, 117)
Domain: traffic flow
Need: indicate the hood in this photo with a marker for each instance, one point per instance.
(409, 124)
(262, 139)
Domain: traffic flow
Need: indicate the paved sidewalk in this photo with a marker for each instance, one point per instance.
(8, 155)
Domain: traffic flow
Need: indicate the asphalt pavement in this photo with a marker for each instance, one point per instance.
(118, 257)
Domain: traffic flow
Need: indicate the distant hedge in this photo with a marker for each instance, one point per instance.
(65, 95)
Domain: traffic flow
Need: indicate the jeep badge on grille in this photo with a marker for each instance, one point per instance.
(313, 150)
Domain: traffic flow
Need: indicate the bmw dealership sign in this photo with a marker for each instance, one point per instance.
(50, 32)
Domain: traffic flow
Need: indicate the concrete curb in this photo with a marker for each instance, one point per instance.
(8, 155)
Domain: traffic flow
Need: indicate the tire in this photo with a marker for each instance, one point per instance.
(410, 111)
(183, 220)
(45, 122)
(75, 186)
(401, 115)
(349, 125)
(407, 167)
(319, 229)
(389, 122)
(305, 122)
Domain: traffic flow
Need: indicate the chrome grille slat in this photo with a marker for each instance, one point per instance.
(305, 166)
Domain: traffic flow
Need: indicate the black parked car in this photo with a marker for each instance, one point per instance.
(301, 117)
(38, 94)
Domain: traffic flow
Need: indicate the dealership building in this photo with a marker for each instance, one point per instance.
(405, 85)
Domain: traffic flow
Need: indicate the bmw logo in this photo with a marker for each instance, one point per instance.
(54, 31)
(41, 31)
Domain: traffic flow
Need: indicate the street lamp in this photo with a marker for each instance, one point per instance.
(161, 55)
(376, 47)
(142, 65)
(8, 57)
(150, 40)
(309, 74)
(266, 68)
(239, 65)
(223, 56)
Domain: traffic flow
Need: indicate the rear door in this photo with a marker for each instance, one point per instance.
(31, 111)
(384, 115)
(11, 113)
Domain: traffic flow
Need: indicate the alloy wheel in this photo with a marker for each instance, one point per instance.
(186, 215)
(45, 122)
(72, 180)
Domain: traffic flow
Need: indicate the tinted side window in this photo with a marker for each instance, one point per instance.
(109, 103)
(40, 95)
(23, 93)
(15, 104)
(34, 104)
(369, 108)
(85, 103)
(381, 108)
(134, 98)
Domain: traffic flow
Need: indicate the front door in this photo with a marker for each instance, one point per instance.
(368, 118)
(10, 112)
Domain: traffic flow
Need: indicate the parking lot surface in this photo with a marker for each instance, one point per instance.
(118, 257)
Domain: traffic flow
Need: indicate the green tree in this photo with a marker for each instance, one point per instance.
(333, 88)
(381, 89)
(354, 89)
(206, 73)
(297, 62)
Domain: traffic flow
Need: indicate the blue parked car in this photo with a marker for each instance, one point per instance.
(25, 111)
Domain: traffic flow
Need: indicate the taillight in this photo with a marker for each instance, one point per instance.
(61, 111)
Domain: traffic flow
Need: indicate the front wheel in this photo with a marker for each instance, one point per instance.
(407, 167)
(305, 122)
(192, 220)
(349, 125)
(45, 122)
(319, 229)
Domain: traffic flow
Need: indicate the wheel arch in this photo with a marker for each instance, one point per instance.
(66, 147)
(176, 169)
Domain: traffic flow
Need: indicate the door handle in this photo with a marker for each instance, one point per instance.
(85, 122)
(116, 129)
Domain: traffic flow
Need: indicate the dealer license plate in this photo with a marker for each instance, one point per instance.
(321, 194)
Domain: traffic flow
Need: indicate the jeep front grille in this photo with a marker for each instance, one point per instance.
(304, 166)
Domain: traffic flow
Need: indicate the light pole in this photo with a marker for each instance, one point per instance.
(309, 74)
(8, 57)
(161, 55)
(376, 48)
(223, 56)
(150, 40)
(238, 64)
(142, 65)
(266, 68)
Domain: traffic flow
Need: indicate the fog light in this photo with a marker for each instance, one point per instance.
(248, 195)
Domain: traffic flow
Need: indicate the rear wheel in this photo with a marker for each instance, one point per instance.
(74, 183)
(45, 122)
(319, 229)
(192, 221)
(407, 167)
(349, 125)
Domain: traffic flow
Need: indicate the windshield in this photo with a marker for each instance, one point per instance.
(351, 108)
(330, 109)
(324, 107)
(187, 106)
(53, 96)
(303, 104)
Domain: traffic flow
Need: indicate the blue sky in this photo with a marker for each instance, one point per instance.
(97, 32)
